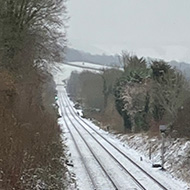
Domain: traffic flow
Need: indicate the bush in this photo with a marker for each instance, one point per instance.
(31, 149)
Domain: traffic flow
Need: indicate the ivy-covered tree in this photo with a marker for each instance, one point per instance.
(120, 104)
(131, 92)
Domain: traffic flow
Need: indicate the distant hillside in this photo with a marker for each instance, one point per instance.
(182, 66)
(73, 55)
(76, 55)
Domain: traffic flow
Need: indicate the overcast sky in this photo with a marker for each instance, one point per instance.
(154, 28)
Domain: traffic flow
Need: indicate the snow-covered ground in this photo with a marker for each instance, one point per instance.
(162, 176)
(89, 65)
(63, 71)
(177, 151)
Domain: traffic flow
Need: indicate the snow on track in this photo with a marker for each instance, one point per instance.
(122, 180)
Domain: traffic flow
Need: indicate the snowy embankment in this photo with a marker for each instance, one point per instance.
(177, 153)
(162, 176)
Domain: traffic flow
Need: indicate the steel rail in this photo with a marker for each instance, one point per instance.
(113, 157)
(78, 150)
(122, 153)
(105, 172)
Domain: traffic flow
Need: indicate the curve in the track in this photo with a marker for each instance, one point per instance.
(145, 172)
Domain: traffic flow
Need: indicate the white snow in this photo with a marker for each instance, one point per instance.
(177, 152)
(162, 176)
(90, 65)
(63, 71)
(135, 147)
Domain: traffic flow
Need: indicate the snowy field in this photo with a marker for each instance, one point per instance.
(63, 71)
(89, 65)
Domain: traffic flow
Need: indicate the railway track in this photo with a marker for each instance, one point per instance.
(80, 154)
(91, 151)
(82, 122)
(115, 147)
(114, 183)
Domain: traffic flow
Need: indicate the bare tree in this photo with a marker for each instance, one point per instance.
(30, 23)
(170, 93)
(109, 76)
(31, 149)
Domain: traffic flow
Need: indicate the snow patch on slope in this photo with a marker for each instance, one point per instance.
(177, 153)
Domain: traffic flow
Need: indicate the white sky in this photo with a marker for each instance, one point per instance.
(155, 28)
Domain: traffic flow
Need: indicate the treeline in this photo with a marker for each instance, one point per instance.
(145, 95)
(95, 93)
(31, 148)
(148, 96)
